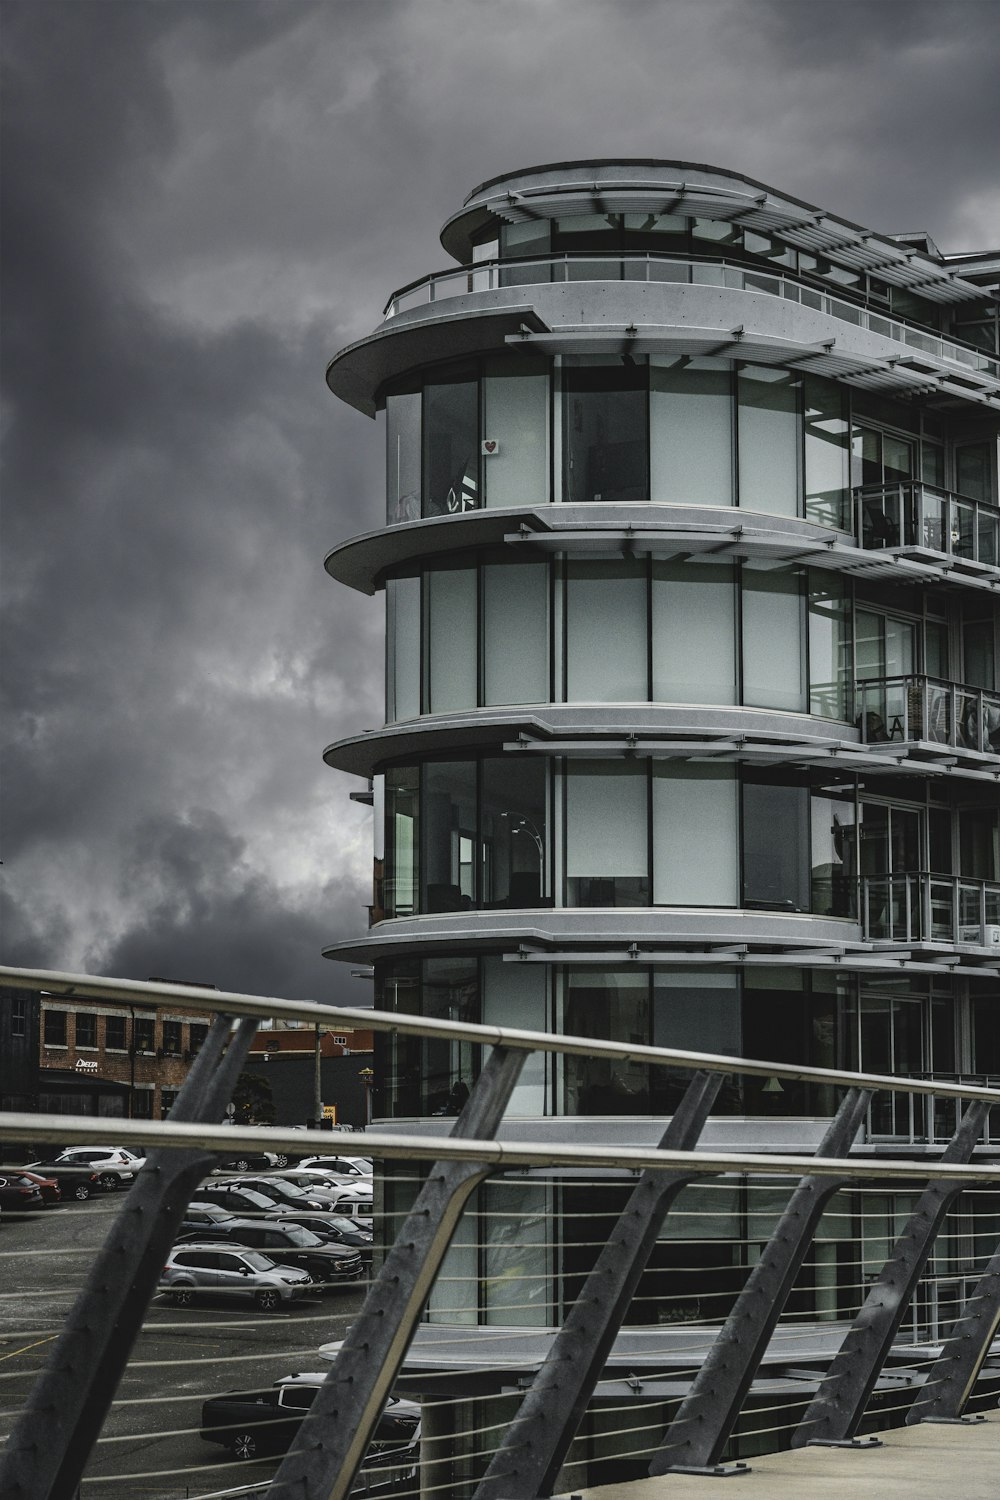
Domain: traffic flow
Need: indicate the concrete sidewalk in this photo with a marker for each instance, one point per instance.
(927, 1462)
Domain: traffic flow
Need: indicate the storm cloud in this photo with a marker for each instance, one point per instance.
(201, 203)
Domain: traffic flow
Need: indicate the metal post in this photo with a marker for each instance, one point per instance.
(331, 1443)
(51, 1441)
(953, 1375)
(835, 1412)
(535, 1445)
(697, 1436)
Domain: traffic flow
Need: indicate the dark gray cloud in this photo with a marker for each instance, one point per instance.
(201, 203)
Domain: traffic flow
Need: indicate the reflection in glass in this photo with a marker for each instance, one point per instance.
(606, 839)
(402, 457)
(514, 872)
(515, 995)
(451, 446)
(448, 874)
(605, 1004)
(401, 841)
(774, 668)
(834, 847)
(829, 646)
(402, 637)
(695, 1010)
(827, 453)
(605, 429)
(793, 1017)
(515, 432)
(775, 870)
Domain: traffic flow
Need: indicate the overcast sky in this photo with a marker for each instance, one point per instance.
(201, 203)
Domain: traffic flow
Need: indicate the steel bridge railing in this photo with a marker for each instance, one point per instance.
(525, 1452)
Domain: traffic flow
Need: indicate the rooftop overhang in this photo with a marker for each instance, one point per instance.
(567, 189)
(676, 532)
(827, 752)
(667, 937)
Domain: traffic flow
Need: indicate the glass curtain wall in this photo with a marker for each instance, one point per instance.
(605, 429)
(769, 439)
(691, 431)
(607, 631)
(774, 665)
(827, 453)
(402, 639)
(693, 634)
(607, 860)
(515, 449)
(451, 443)
(402, 456)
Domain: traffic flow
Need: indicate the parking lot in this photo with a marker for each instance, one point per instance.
(150, 1445)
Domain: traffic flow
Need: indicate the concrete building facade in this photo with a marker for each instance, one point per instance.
(691, 560)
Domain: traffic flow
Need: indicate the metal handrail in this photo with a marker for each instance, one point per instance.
(486, 275)
(916, 706)
(88, 986)
(912, 513)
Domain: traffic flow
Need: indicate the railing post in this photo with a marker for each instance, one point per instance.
(835, 1412)
(535, 1445)
(52, 1439)
(329, 1448)
(697, 1436)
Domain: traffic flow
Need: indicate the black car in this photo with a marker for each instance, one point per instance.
(329, 1265)
(242, 1201)
(75, 1182)
(337, 1230)
(203, 1218)
(266, 1420)
(288, 1194)
(19, 1193)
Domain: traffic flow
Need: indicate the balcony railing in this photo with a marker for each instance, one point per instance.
(912, 514)
(929, 709)
(923, 907)
(488, 276)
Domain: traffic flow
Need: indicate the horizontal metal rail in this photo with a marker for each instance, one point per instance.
(85, 986)
(501, 1155)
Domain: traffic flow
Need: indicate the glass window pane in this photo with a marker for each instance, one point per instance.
(604, 1004)
(827, 453)
(829, 646)
(451, 639)
(514, 860)
(695, 835)
(523, 242)
(401, 825)
(694, 1010)
(451, 447)
(515, 432)
(605, 429)
(769, 440)
(402, 639)
(606, 632)
(775, 871)
(834, 842)
(515, 633)
(514, 995)
(448, 869)
(691, 431)
(972, 471)
(774, 673)
(606, 855)
(694, 632)
(402, 457)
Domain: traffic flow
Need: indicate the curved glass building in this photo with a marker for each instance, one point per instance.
(691, 561)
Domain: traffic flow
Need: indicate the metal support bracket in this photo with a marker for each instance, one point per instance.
(697, 1436)
(714, 1471)
(534, 1446)
(52, 1439)
(953, 1375)
(331, 1443)
(858, 1445)
(835, 1412)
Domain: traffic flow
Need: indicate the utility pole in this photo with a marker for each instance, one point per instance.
(317, 1080)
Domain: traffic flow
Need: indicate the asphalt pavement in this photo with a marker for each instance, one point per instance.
(150, 1448)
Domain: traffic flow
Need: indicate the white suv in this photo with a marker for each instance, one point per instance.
(114, 1166)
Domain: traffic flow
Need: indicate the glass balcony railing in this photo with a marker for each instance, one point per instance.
(927, 1117)
(923, 907)
(917, 708)
(488, 276)
(912, 514)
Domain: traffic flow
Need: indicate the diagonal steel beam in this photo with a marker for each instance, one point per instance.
(331, 1443)
(535, 1445)
(953, 1375)
(698, 1434)
(52, 1439)
(835, 1412)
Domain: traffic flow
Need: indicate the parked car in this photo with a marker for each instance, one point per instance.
(76, 1180)
(47, 1186)
(195, 1269)
(338, 1229)
(115, 1168)
(17, 1192)
(245, 1202)
(204, 1217)
(329, 1265)
(345, 1166)
(252, 1161)
(266, 1420)
(288, 1194)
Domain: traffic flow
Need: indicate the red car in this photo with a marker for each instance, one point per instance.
(48, 1187)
